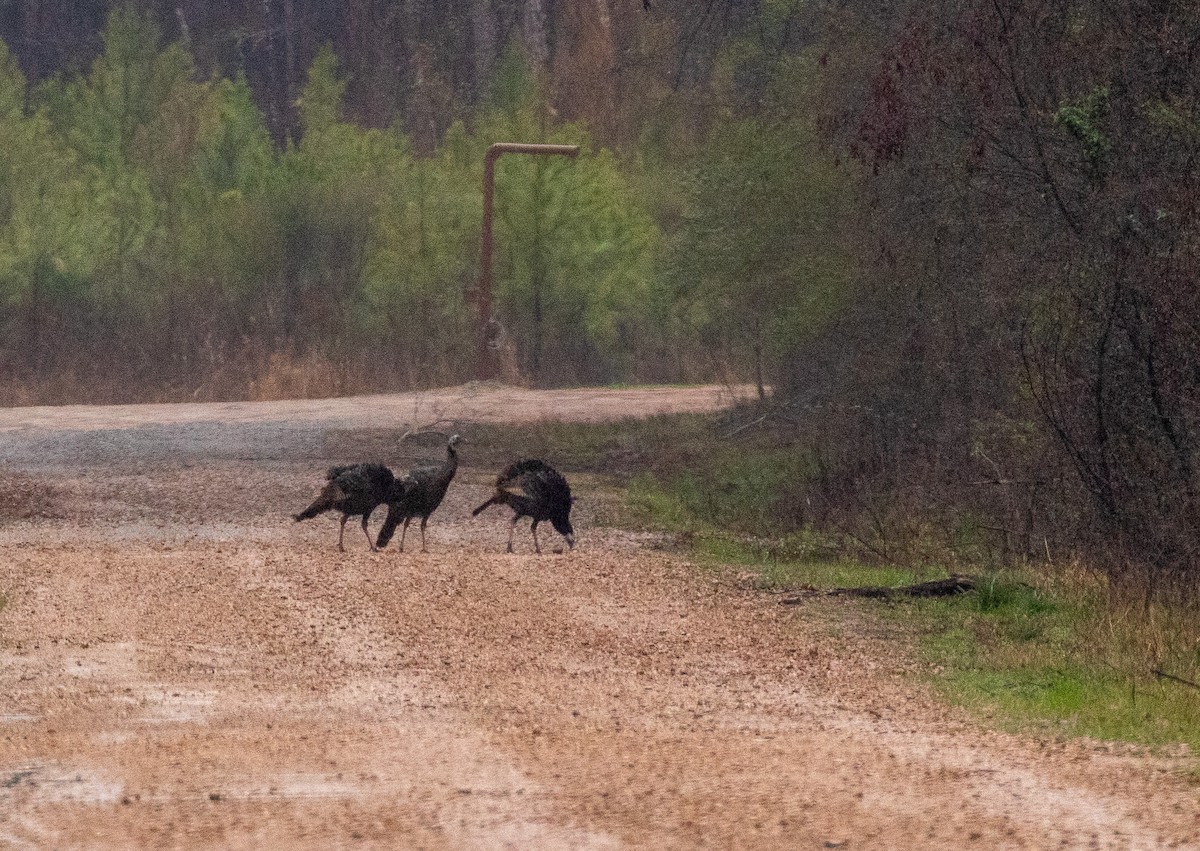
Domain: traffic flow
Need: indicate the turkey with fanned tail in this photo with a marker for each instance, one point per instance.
(543, 495)
(353, 489)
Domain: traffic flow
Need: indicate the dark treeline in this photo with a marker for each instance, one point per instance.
(425, 62)
(955, 241)
(1022, 341)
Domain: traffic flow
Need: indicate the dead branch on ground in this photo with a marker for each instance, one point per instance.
(947, 587)
(1163, 675)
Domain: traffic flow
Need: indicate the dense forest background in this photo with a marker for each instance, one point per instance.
(954, 241)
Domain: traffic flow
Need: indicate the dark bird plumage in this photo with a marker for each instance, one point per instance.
(354, 489)
(418, 494)
(544, 495)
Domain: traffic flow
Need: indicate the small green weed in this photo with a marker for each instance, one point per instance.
(16, 779)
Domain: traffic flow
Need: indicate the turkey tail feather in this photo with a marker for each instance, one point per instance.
(312, 511)
(389, 527)
(330, 494)
(490, 502)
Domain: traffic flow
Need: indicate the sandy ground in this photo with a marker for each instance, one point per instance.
(181, 666)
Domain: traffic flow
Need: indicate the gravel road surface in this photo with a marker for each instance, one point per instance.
(182, 666)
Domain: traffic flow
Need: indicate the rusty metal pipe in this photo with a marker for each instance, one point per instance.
(485, 367)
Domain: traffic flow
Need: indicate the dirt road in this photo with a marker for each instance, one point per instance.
(181, 666)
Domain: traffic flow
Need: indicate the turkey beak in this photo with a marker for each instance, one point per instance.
(570, 542)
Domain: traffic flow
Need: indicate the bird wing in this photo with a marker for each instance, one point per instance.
(518, 470)
(546, 485)
(419, 480)
(349, 479)
(333, 473)
(421, 475)
(362, 479)
(540, 483)
(402, 491)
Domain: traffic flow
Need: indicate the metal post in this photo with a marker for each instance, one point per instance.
(485, 367)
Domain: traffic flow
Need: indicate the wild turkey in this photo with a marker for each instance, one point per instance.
(353, 489)
(545, 496)
(418, 494)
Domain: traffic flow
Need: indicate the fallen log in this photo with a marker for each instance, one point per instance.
(947, 587)
(1163, 675)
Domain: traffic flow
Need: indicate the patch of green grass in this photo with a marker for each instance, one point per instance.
(1078, 701)
(729, 489)
(1027, 657)
(654, 506)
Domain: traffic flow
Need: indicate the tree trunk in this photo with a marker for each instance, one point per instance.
(272, 99)
(758, 360)
(289, 68)
(483, 31)
(533, 28)
(537, 278)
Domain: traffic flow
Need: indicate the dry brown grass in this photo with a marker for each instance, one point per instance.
(252, 375)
